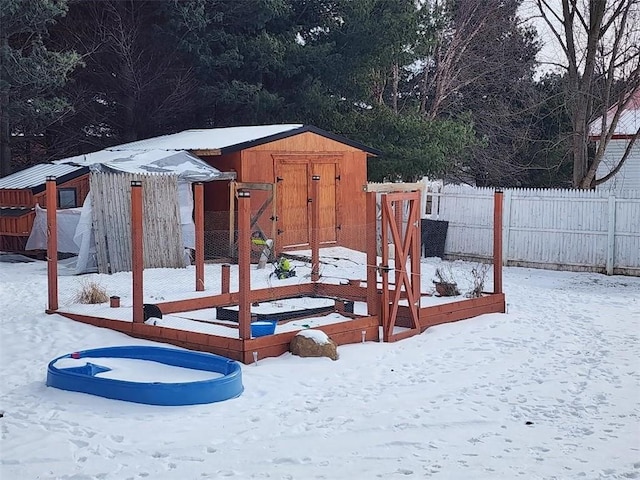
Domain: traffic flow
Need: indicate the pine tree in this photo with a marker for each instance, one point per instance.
(31, 75)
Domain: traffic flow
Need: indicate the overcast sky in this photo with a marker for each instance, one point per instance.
(551, 52)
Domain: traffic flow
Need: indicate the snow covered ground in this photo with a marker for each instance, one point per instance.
(550, 390)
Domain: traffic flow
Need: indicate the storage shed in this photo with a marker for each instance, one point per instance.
(277, 163)
(21, 191)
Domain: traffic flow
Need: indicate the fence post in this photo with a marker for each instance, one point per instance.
(611, 235)
(52, 242)
(373, 305)
(137, 262)
(244, 264)
(198, 201)
(497, 241)
(506, 224)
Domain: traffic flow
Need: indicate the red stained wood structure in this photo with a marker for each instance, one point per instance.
(17, 204)
(497, 241)
(52, 243)
(385, 307)
(373, 295)
(137, 262)
(198, 220)
(244, 264)
(405, 239)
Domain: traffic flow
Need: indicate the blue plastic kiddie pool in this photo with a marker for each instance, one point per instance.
(226, 383)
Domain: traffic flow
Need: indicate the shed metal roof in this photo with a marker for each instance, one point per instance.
(36, 176)
(208, 139)
(178, 162)
(230, 139)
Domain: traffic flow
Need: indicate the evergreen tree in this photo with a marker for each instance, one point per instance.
(135, 83)
(31, 75)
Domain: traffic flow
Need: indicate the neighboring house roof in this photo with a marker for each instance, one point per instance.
(628, 123)
(35, 177)
(220, 141)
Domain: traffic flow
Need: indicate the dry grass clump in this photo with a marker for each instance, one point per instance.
(91, 292)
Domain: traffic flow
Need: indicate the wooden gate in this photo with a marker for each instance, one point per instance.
(262, 220)
(401, 228)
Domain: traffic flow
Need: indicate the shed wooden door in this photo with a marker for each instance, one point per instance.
(328, 204)
(293, 209)
(294, 174)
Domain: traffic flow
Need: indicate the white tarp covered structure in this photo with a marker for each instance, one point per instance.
(75, 231)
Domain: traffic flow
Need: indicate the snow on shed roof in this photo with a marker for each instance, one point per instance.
(231, 139)
(628, 123)
(208, 139)
(36, 176)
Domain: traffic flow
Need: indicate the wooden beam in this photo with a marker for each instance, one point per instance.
(137, 262)
(244, 263)
(207, 152)
(226, 299)
(52, 243)
(414, 227)
(373, 299)
(384, 272)
(198, 200)
(461, 310)
(254, 186)
(225, 281)
(497, 241)
(232, 218)
(393, 187)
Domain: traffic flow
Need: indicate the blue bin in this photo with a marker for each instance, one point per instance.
(263, 327)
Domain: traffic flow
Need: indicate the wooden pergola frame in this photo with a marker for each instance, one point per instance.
(357, 329)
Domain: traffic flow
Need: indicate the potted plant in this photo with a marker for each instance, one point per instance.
(445, 283)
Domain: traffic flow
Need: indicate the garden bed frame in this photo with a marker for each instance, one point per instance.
(384, 309)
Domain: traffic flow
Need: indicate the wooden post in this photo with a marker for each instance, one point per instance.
(415, 228)
(198, 201)
(611, 235)
(315, 228)
(52, 242)
(232, 217)
(497, 241)
(398, 211)
(244, 263)
(137, 261)
(226, 278)
(373, 306)
(384, 272)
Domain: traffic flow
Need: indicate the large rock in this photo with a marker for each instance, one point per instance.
(313, 343)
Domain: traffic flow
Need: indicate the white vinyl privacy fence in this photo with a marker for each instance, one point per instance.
(555, 229)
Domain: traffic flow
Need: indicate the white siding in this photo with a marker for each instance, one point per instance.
(558, 229)
(628, 178)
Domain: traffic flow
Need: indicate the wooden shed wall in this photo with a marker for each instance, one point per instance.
(16, 197)
(16, 230)
(81, 184)
(343, 172)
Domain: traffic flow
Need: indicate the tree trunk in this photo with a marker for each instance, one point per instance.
(5, 128)
(396, 81)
